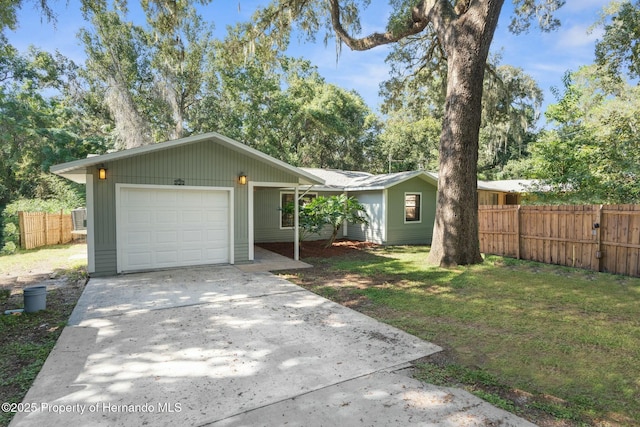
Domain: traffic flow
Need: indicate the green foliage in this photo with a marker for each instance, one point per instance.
(414, 102)
(288, 111)
(9, 246)
(593, 155)
(10, 238)
(37, 131)
(331, 211)
(334, 211)
(619, 49)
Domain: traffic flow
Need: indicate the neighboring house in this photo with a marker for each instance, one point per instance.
(208, 199)
(505, 192)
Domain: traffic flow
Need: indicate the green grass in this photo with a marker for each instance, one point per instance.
(42, 260)
(567, 333)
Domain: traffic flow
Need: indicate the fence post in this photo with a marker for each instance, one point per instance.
(599, 238)
(60, 237)
(518, 232)
(22, 229)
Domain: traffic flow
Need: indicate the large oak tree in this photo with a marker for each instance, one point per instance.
(462, 30)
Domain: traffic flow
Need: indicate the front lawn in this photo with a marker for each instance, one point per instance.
(557, 345)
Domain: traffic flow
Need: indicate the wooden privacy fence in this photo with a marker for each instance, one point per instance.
(42, 229)
(594, 237)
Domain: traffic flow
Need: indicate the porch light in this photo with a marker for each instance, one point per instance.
(242, 179)
(102, 173)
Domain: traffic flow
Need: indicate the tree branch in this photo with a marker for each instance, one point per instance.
(420, 18)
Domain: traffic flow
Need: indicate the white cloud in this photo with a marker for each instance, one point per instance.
(582, 5)
(577, 36)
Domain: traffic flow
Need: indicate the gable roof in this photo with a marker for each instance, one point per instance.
(77, 169)
(336, 179)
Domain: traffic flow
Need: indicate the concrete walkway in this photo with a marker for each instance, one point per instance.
(216, 346)
(265, 260)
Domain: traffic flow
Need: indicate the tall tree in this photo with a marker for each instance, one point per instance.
(37, 131)
(619, 49)
(414, 104)
(118, 67)
(180, 40)
(593, 153)
(152, 76)
(510, 104)
(463, 31)
(283, 107)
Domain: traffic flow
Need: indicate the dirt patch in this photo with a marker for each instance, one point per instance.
(27, 338)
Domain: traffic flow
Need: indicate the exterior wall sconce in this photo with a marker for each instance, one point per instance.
(102, 173)
(242, 179)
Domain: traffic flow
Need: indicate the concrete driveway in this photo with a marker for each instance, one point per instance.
(218, 346)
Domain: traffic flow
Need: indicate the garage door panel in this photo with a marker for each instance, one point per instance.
(193, 256)
(160, 227)
(139, 217)
(137, 197)
(137, 237)
(139, 259)
(165, 198)
(166, 257)
(167, 217)
(190, 217)
(215, 253)
(166, 237)
(192, 236)
(216, 238)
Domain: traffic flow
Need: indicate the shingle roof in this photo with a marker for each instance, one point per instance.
(357, 181)
(508, 185)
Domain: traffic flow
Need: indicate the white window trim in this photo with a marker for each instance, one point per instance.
(404, 207)
(280, 204)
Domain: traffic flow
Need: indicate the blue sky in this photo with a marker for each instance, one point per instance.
(544, 56)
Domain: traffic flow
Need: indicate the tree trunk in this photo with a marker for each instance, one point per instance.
(455, 232)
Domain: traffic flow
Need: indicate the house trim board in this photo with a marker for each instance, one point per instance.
(91, 237)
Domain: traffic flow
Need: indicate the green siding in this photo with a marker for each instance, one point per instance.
(401, 233)
(386, 218)
(267, 217)
(205, 163)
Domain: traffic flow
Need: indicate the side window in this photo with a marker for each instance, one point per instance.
(412, 207)
(286, 208)
(286, 215)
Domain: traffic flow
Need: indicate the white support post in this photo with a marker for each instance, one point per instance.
(296, 223)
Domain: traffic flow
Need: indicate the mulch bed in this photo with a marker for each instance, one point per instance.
(316, 249)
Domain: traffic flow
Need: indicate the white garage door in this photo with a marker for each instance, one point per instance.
(161, 227)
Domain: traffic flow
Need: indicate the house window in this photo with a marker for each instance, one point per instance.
(412, 207)
(287, 219)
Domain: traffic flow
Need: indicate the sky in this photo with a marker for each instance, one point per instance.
(544, 56)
